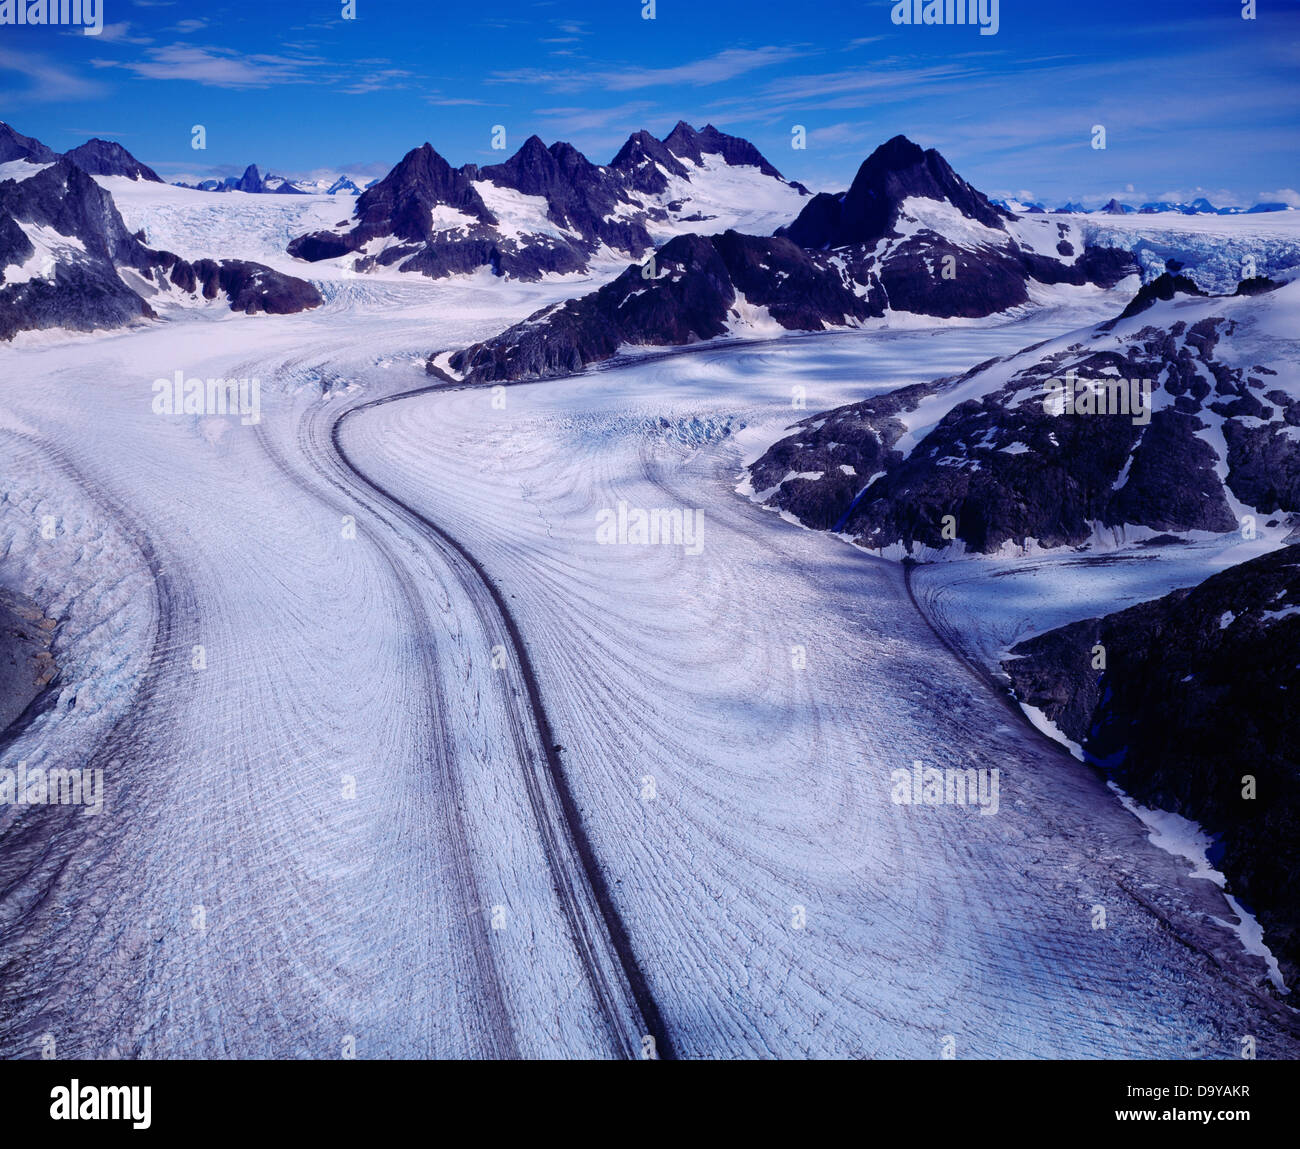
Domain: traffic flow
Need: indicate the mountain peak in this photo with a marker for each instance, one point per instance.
(107, 158)
(897, 170)
(686, 142)
(15, 146)
(896, 153)
(647, 163)
(421, 179)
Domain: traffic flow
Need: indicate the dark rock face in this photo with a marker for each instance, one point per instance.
(689, 298)
(1263, 463)
(15, 146)
(82, 289)
(847, 448)
(252, 288)
(405, 197)
(579, 195)
(250, 181)
(84, 292)
(1201, 689)
(686, 142)
(1007, 466)
(105, 158)
(27, 664)
(983, 282)
(639, 162)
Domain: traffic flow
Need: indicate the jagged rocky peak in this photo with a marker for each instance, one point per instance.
(533, 169)
(685, 141)
(15, 146)
(646, 163)
(421, 180)
(560, 173)
(106, 158)
(580, 196)
(896, 171)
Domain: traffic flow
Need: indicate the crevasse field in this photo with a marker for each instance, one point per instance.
(264, 620)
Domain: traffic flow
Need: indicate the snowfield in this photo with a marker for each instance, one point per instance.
(398, 751)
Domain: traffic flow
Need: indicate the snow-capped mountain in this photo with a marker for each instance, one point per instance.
(550, 209)
(252, 182)
(1198, 206)
(1200, 432)
(937, 246)
(909, 236)
(68, 260)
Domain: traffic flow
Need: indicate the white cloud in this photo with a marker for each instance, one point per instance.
(217, 67)
(1283, 195)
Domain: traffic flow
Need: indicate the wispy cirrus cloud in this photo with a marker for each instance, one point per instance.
(627, 117)
(440, 101)
(729, 64)
(30, 77)
(380, 80)
(218, 67)
(119, 33)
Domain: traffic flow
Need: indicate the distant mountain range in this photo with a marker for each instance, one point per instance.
(254, 183)
(1199, 206)
(736, 247)
(549, 209)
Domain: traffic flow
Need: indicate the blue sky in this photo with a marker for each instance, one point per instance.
(1195, 100)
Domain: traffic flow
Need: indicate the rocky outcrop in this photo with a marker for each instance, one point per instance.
(696, 288)
(1196, 712)
(998, 460)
